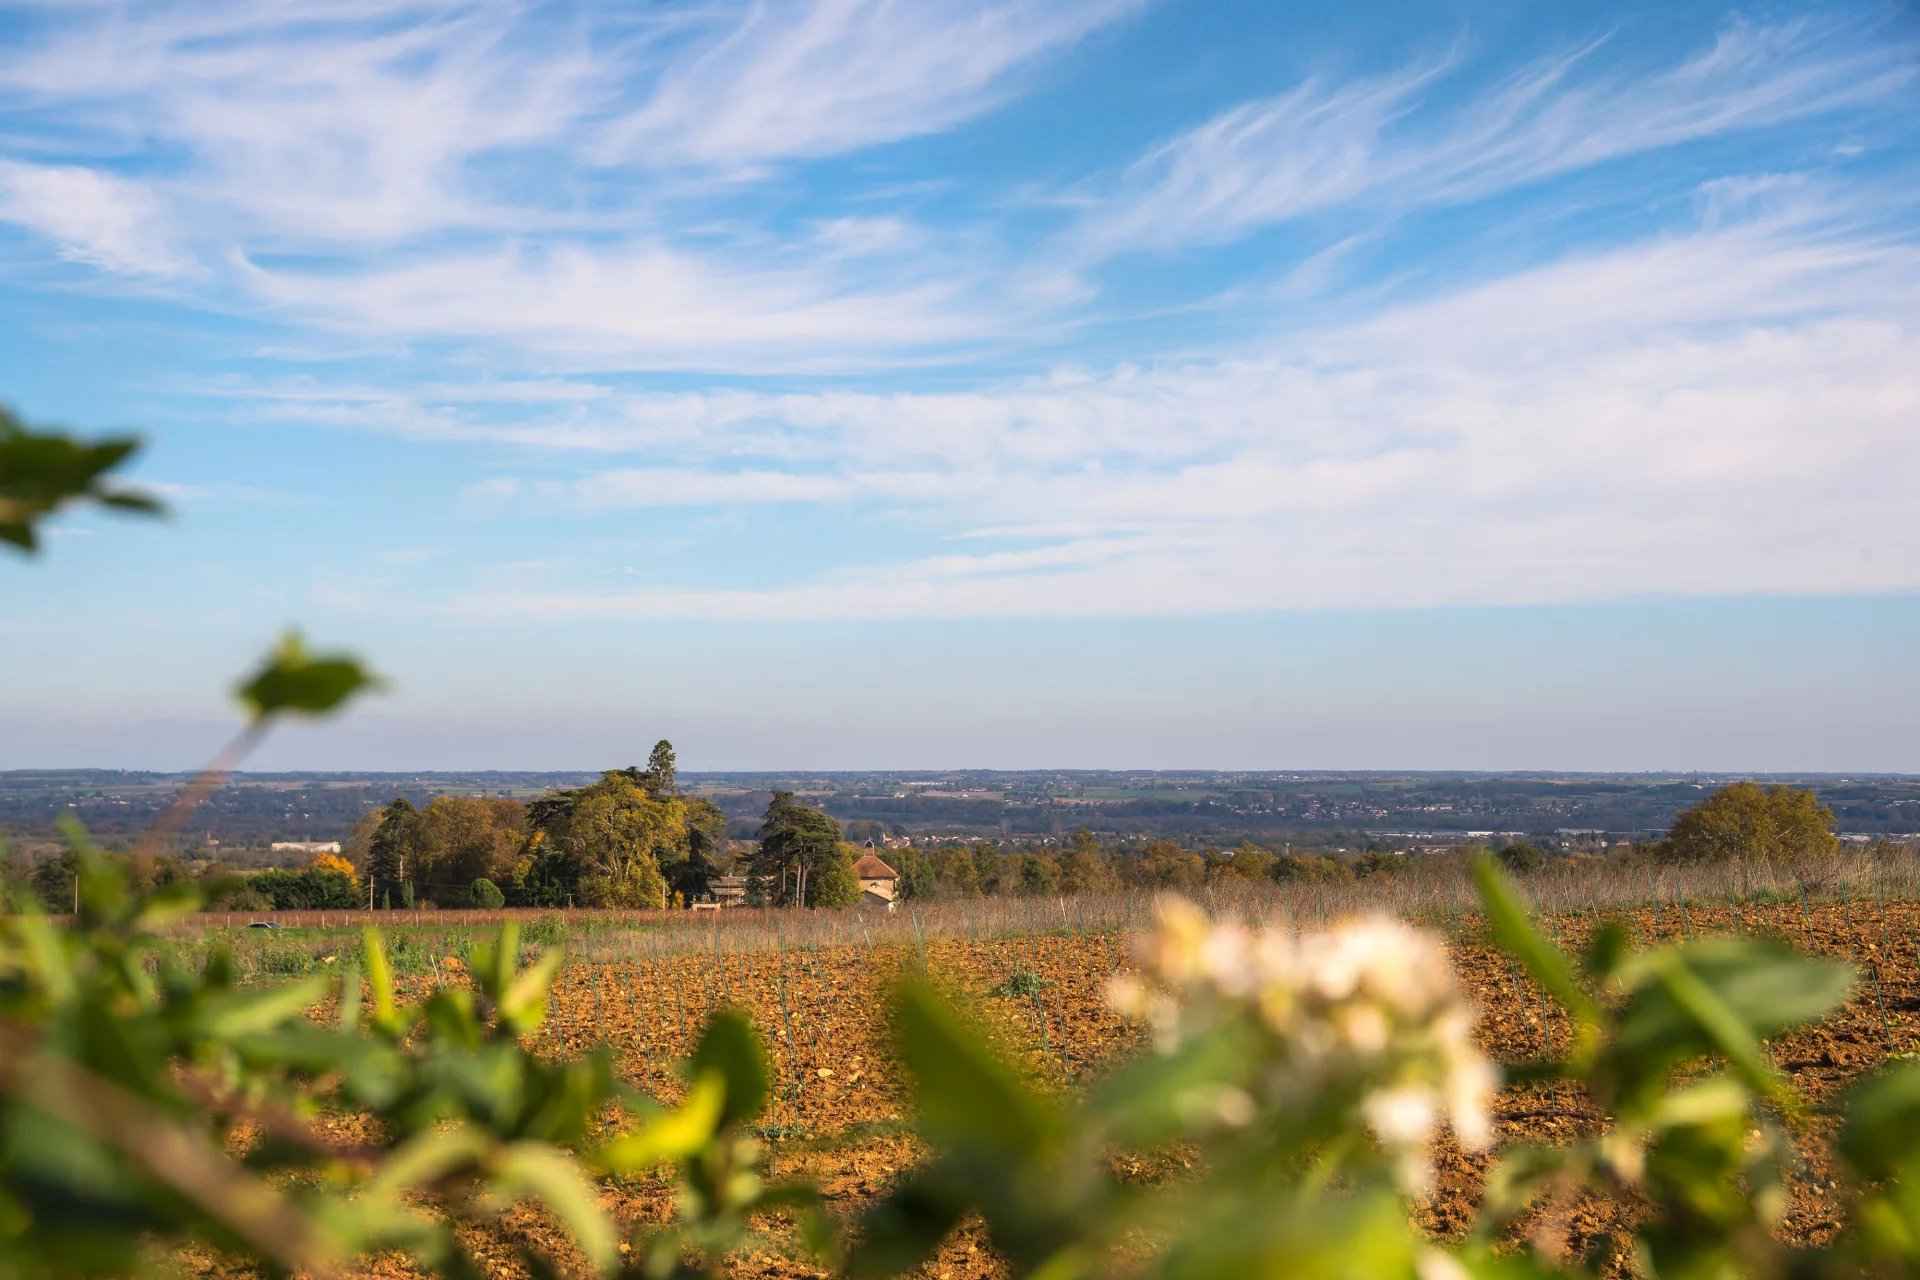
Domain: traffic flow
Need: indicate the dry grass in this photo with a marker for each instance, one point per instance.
(1436, 891)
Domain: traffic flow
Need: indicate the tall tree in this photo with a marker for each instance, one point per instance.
(467, 838)
(796, 842)
(832, 883)
(392, 851)
(1038, 875)
(661, 777)
(618, 834)
(706, 851)
(916, 873)
(53, 879)
(957, 872)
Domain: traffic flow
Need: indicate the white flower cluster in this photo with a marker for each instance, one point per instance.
(1369, 1002)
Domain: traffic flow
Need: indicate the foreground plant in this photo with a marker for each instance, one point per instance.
(1311, 1073)
(127, 1080)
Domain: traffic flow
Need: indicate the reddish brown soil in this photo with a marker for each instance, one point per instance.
(821, 1012)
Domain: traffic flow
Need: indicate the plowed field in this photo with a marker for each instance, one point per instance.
(838, 1112)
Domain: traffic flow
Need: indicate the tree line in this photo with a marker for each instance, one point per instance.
(632, 840)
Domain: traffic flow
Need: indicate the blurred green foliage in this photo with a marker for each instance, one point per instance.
(42, 471)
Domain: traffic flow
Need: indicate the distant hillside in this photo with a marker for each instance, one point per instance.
(1213, 806)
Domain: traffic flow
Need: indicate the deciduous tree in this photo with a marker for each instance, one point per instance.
(1780, 825)
(832, 883)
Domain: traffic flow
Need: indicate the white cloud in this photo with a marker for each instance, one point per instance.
(96, 218)
(1724, 412)
(1416, 137)
(1723, 408)
(776, 82)
(640, 306)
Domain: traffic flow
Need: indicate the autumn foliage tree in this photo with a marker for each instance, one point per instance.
(617, 834)
(1779, 825)
(336, 864)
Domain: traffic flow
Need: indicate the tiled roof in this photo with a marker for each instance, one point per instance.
(871, 868)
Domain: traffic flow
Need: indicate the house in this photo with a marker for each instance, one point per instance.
(306, 846)
(876, 878)
(724, 891)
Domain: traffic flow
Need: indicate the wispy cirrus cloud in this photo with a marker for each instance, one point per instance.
(647, 305)
(626, 219)
(540, 178)
(1724, 409)
(1416, 137)
(96, 218)
(778, 83)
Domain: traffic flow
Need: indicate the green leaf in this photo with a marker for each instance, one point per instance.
(1728, 1031)
(373, 1072)
(44, 954)
(1325, 1238)
(674, 1135)
(729, 1048)
(1513, 929)
(1607, 950)
(41, 471)
(348, 1017)
(386, 1015)
(904, 1229)
(293, 680)
(524, 1006)
(125, 500)
(1881, 1135)
(966, 1097)
(427, 1158)
(167, 905)
(1719, 995)
(237, 1013)
(535, 1169)
(1149, 1100)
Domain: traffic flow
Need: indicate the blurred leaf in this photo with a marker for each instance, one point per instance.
(167, 905)
(730, 1049)
(293, 680)
(373, 1072)
(905, 1228)
(1607, 950)
(348, 1016)
(1513, 929)
(965, 1096)
(1881, 1135)
(238, 1013)
(1519, 1176)
(524, 1006)
(428, 1157)
(41, 471)
(534, 1169)
(1488, 1264)
(1356, 1238)
(1726, 1029)
(379, 979)
(1719, 995)
(673, 1135)
(1148, 1101)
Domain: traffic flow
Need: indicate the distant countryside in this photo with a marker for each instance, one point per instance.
(1192, 641)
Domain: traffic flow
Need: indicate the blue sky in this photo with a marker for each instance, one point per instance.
(1095, 382)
